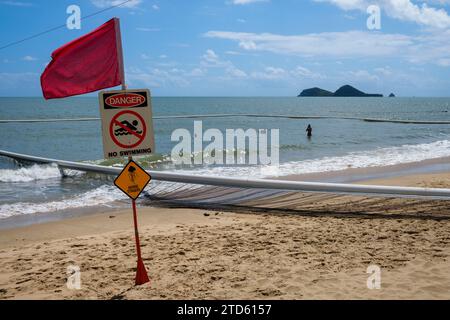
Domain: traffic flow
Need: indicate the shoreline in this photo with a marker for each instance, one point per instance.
(352, 175)
(215, 254)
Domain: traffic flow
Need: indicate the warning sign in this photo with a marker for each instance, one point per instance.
(127, 124)
(132, 180)
(127, 129)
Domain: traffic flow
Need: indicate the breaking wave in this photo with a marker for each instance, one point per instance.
(358, 159)
(105, 195)
(32, 173)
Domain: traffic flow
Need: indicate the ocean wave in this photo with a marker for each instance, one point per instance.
(32, 173)
(104, 195)
(359, 159)
(371, 158)
(147, 161)
(108, 195)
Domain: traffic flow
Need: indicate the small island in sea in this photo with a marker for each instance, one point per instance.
(344, 91)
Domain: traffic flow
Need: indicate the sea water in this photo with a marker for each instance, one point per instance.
(336, 144)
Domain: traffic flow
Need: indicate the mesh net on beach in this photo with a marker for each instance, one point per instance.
(286, 196)
(251, 200)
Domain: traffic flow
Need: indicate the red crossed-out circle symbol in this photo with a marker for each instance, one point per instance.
(115, 122)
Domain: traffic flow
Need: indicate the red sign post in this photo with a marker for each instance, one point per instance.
(132, 181)
(141, 272)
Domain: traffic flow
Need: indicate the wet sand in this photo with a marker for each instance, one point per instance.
(322, 251)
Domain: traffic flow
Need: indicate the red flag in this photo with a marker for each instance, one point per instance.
(89, 63)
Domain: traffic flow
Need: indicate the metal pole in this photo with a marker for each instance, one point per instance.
(283, 185)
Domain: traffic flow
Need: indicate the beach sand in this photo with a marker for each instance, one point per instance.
(321, 252)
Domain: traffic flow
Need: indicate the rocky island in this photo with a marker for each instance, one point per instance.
(344, 91)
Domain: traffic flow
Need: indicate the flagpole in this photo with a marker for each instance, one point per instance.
(120, 53)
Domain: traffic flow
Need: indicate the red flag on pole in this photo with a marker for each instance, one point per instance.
(89, 63)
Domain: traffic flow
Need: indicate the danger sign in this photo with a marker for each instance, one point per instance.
(126, 123)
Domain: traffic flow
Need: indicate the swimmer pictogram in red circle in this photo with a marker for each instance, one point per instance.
(116, 122)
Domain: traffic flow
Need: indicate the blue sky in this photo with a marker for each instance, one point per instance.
(245, 47)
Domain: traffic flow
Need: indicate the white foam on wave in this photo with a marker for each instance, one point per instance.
(359, 159)
(34, 173)
(27, 174)
(108, 195)
(104, 195)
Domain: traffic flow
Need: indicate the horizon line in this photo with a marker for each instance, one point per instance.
(229, 96)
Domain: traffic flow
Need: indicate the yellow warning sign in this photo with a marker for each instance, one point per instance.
(132, 180)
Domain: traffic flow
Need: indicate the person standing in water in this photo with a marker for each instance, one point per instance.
(309, 130)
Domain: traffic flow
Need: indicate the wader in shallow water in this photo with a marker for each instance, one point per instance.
(309, 130)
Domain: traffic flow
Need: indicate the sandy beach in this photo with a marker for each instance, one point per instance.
(321, 252)
(268, 147)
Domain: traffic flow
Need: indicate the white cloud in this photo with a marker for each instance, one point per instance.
(211, 60)
(136, 76)
(280, 74)
(344, 44)
(306, 73)
(270, 73)
(29, 58)
(348, 4)
(16, 3)
(404, 10)
(235, 72)
(147, 29)
(155, 7)
(243, 2)
(438, 2)
(210, 55)
(110, 3)
(350, 44)
(156, 77)
(443, 62)
(385, 71)
(197, 72)
(361, 75)
(233, 53)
